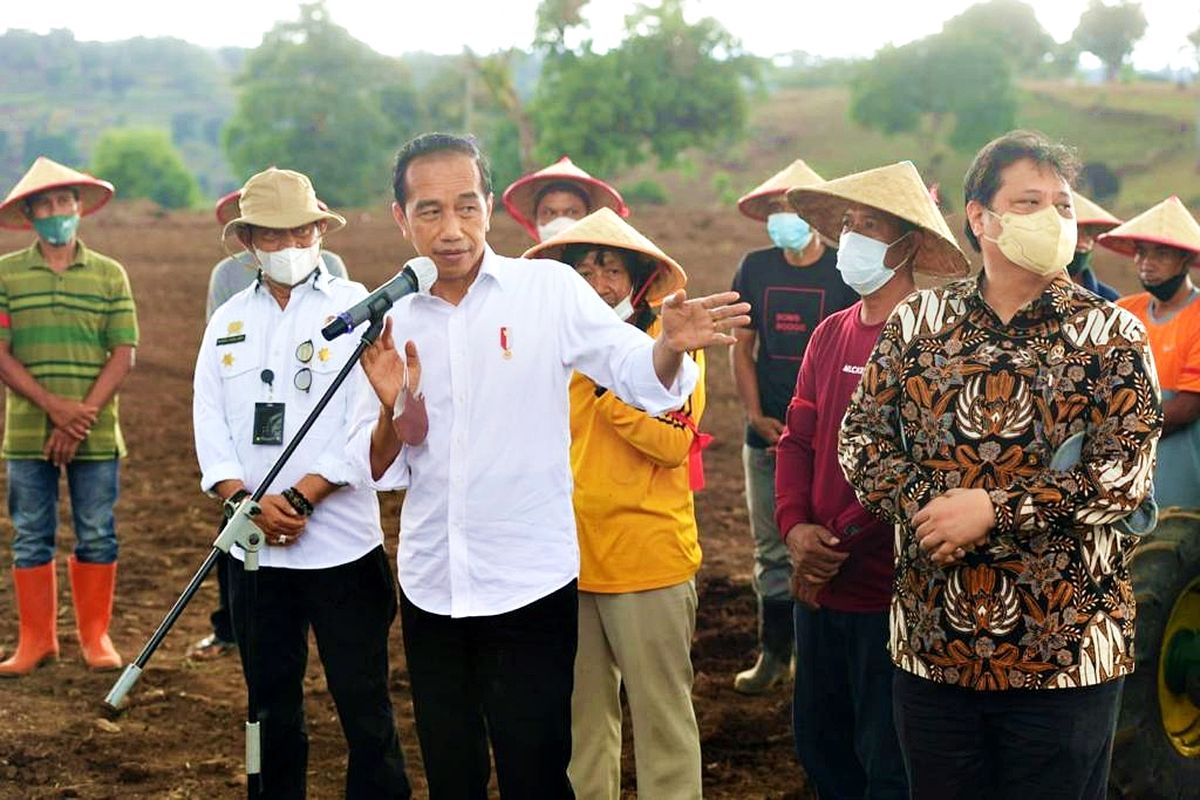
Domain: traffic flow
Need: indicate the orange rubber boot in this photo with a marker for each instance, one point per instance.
(92, 587)
(37, 607)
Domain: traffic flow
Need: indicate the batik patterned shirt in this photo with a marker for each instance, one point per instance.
(955, 398)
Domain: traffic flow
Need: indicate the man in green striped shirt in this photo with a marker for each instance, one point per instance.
(68, 329)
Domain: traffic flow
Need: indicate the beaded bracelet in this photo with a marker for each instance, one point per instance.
(298, 501)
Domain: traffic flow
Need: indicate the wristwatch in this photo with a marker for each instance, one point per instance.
(233, 501)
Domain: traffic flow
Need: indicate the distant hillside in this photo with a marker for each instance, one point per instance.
(57, 95)
(1145, 133)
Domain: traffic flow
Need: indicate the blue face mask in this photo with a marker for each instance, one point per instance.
(789, 231)
(57, 230)
(860, 262)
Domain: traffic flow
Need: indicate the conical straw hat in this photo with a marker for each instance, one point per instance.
(1090, 213)
(281, 198)
(519, 197)
(797, 174)
(45, 175)
(227, 208)
(1167, 223)
(604, 227)
(896, 189)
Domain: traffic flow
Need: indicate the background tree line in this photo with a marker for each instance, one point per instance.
(179, 124)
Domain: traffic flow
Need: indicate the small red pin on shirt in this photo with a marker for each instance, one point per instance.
(505, 342)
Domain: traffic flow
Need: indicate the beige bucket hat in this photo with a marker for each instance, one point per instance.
(1168, 223)
(519, 197)
(228, 208)
(604, 227)
(279, 198)
(44, 175)
(797, 174)
(1091, 214)
(896, 189)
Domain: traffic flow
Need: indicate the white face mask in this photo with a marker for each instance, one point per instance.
(623, 309)
(290, 265)
(860, 262)
(1042, 242)
(554, 227)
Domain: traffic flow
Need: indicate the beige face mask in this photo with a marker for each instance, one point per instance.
(1042, 242)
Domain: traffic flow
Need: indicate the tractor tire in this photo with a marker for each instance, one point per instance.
(1146, 763)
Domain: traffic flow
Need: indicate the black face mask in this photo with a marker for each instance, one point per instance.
(1166, 290)
(1079, 263)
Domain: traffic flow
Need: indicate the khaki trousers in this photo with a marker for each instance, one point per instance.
(643, 639)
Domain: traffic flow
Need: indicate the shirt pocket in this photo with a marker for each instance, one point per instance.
(326, 362)
(242, 384)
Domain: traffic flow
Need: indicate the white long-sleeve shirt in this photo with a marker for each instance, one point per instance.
(487, 524)
(251, 333)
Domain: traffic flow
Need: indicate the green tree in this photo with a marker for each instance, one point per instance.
(1025, 42)
(554, 19)
(1194, 40)
(669, 86)
(313, 98)
(1110, 32)
(141, 162)
(945, 90)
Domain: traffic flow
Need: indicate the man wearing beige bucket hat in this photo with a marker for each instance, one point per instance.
(1091, 220)
(554, 198)
(68, 329)
(231, 275)
(638, 540)
(262, 368)
(1164, 242)
(1011, 618)
(887, 227)
(489, 556)
(791, 287)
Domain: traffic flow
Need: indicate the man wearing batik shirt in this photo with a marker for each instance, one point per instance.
(1012, 618)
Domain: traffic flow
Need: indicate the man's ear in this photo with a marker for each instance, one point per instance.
(491, 202)
(401, 220)
(975, 211)
(243, 235)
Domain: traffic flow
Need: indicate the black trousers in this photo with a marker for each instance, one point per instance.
(507, 676)
(222, 620)
(842, 706)
(1048, 744)
(350, 608)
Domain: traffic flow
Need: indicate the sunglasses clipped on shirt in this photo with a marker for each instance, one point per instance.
(303, 377)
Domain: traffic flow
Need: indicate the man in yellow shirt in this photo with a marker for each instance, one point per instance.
(638, 541)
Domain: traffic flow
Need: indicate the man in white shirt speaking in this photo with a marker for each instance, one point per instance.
(488, 556)
(262, 367)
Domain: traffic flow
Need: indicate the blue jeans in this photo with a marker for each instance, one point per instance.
(33, 506)
(842, 706)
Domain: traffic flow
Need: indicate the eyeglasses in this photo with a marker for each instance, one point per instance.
(304, 354)
(300, 233)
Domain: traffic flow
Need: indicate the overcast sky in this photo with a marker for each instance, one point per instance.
(766, 27)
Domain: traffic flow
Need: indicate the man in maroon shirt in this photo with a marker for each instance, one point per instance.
(887, 226)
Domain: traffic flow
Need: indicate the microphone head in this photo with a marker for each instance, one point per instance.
(425, 270)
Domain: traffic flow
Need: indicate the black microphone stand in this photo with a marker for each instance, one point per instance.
(242, 531)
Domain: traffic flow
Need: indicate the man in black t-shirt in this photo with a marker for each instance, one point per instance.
(791, 287)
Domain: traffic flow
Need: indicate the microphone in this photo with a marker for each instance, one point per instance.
(416, 276)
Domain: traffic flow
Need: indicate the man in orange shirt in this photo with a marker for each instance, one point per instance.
(1164, 242)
